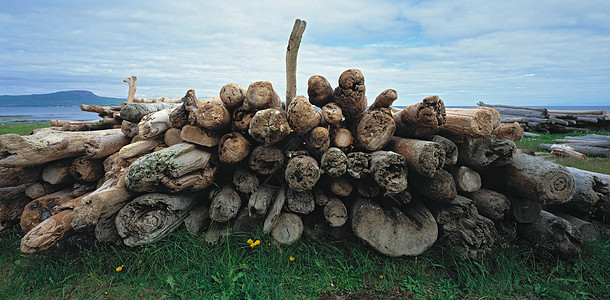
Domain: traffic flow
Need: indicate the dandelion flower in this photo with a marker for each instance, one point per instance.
(257, 242)
(119, 269)
(250, 241)
(105, 293)
(381, 276)
(291, 258)
(140, 261)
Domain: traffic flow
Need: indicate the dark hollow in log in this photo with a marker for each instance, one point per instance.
(12, 201)
(57, 172)
(42, 208)
(423, 157)
(266, 160)
(358, 164)
(319, 90)
(374, 129)
(440, 187)
(334, 162)
(241, 119)
(302, 173)
(389, 170)
(367, 187)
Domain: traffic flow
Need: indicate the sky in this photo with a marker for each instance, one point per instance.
(544, 52)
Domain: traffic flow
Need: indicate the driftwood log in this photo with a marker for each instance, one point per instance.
(320, 91)
(421, 119)
(423, 157)
(553, 234)
(350, 94)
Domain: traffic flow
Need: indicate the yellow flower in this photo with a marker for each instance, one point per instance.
(381, 276)
(140, 261)
(257, 242)
(119, 269)
(291, 258)
(105, 293)
(250, 241)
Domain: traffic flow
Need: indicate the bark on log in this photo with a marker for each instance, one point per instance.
(335, 212)
(57, 172)
(266, 160)
(291, 59)
(350, 94)
(394, 232)
(451, 150)
(511, 131)
(319, 139)
(48, 233)
(130, 129)
(200, 136)
(302, 173)
(523, 210)
(179, 117)
(491, 204)
(172, 136)
(275, 211)
(225, 204)
(198, 218)
(440, 187)
(134, 112)
(319, 90)
(106, 231)
(17, 176)
(389, 170)
(332, 114)
(269, 126)
(233, 95)
(554, 235)
(12, 201)
(374, 129)
(358, 164)
(334, 162)
(261, 95)
(384, 100)
(300, 202)
(241, 119)
(421, 119)
(151, 217)
(482, 153)
(154, 124)
(24, 151)
(301, 116)
(466, 179)
(259, 201)
(103, 146)
(86, 169)
(138, 148)
(233, 148)
(341, 186)
(245, 181)
(471, 234)
(208, 113)
(288, 228)
(471, 122)
(423, 157)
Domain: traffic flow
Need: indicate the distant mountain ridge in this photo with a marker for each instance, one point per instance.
(63, 98)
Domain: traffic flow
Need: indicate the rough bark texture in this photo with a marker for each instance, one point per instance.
(384, 100)
(300, 202)
(332, 114)
(12, 201)
(106, 231)
(266, 160)
(440, 187)
(389, 170)
(241, 119)
(334, 162)
(319, 90)
(225, 204)
(154, 124)
(451, 150)
(18, 176)
(423, 157)
(375, 129)
(302, 173)
(245, 181)
(392, 231)
(47, 233)
(319, 139)
(86, 169)
(472, 122)
(233, 148)
(350, 94)
(130, 129)
(302, 117)
(491, 204)
(151, 217)
(358, 164)
(481, 153)
(259, 201)
(261, 95)
(509, 131)
(554, 235)
(269, 126)
(233, 95)
(421, 119)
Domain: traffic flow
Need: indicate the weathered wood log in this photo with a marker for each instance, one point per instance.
(179, 117)
(587, 150)
(69, 125)
(533, 178)
(241, 119)
(48, 233)
(334, 162)
(291, 59)
(341, 186)
(86, 169)
(225, 204)
(589, 189)
(18, 176)
(350, 94)
(358, 164)
(130, 129)
(259, 201)
(367, 187)
(394, 232)
(300, 202)
(23, 151)
(423, 157)
(269, 126)
(138, 148)
(154, 124)
(384, 100)
(566, 150)
(261, 95)
(172, 136)
(198, 218)
(12, 201)
(490, 204)
(389, 169)
(245, 181)
(466, 179)
(194, 181)
(275, 210)
(335, 212)
(57, 172)
(132, 82)
(471, 234)
(485, 152)
(421, 119)
(151, 217)
(42, 208)
(471, 122)
(521, 110)
(101, 110)
(319, 139)
(509, 131)
(103, 146)
(233, 95)
(589, 142)
(320, 196)
(200, 136)
(301, 116)
(524, 210)
(319, 90)
(134, 112)
(39, 189)
(266, 160)
(233, 148)
(106, 231)
(332, 114)
(341, 138)
(554, 235)
(302, 173)
(588, 231)
(288, 228)
(440, 187)
(210, 113)
(451, 150)
(374, 129)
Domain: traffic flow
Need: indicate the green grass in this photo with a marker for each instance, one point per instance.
(184, 266)
(22, 128)
(594, 164)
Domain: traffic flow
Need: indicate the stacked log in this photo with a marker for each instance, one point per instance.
(552, 121)
(397, 178)
(593, 145)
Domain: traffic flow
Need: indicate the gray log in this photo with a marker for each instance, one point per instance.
(225, 204)
(485, 152)
(334, 162)
(389, 169)
(134, 112)
(554, 235)
(440, 188)
(491, 204)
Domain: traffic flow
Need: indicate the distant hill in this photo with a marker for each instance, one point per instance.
(64, 98)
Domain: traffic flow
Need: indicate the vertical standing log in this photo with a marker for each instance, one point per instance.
(291, 59)
(131, 81)
(275, 211)
(350, 94)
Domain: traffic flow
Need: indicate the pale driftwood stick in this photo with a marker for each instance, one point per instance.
(151, 217)
(275, 210)
(566, 150)
(440, 187)
(134, 112)
(138, 148)
(46, 146)
(375, 128)
(154, 124)
(319, 90)
(301, 116)
(131, 81)
(266, 160)
(17, 176)
(423, 157)
(554, 234)
(389, 169)
(233, 95)
(288, 228)
(291, 59)
(466, 179)
(491, 204)
(333, 162)
(101, 110)
(261, 95)
(335, 212)
(300, 202)
(394, 232)
(225, 204)
(302, 173)
(350, 95)
(103, 146)
(269, 126)
(421, 119)
(200, 136)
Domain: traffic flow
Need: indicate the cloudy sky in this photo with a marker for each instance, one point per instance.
(511, 52)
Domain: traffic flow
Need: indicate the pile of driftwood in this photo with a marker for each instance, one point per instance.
(540, 119)
(396, 178)
(594, 145)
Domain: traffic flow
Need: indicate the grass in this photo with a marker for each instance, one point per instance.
(184, 266)
(22, 128)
